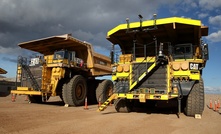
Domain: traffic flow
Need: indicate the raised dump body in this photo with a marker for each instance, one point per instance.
(161, 60)
(68, 66)
(2, 71)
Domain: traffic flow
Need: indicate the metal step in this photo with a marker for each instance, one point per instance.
(106, 103)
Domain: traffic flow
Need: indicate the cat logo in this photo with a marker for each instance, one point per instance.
(194, 66)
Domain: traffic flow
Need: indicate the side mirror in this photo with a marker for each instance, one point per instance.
(112, 54)
(205, 51)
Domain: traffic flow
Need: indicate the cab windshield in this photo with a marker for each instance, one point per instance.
(60, 55)
(183, 51)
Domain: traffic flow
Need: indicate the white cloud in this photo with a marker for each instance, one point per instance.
(86, 20)
(97, 40)
(9, 50)
(214, 37)
(181, 6)
(85, 36)
(213, 90)
(191, 3)
(26, 20)
(210, 4)
(188, 5)
(215, 20)
(202, 15)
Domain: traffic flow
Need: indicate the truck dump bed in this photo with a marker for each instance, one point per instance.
(49, 45)
(98, 64)
(2, 71)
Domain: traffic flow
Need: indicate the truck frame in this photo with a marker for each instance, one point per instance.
(67, 67)
(160, 60)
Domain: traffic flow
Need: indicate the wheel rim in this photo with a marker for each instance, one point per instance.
(79, 91)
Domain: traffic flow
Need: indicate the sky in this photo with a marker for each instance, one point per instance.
(90, 20)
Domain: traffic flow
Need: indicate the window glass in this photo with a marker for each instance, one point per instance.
(59, 55)
(179, 50)
(183, 51)
(65, 54)
(188, 49)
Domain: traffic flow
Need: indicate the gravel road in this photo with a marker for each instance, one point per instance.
(53, 118)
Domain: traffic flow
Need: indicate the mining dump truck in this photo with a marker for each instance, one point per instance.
(65, 67)
(160, 60)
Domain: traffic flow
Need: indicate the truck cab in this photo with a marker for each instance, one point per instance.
(64, 58)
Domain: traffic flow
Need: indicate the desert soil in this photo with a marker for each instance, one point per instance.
(53, 118)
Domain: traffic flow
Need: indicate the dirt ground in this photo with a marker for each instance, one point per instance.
(53, 118)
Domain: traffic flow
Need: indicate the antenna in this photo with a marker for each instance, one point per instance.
(128, 25)
(154, 27)
(155, 20)
(141, 21)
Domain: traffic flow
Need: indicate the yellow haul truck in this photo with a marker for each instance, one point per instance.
(160, 60)
(67, 68)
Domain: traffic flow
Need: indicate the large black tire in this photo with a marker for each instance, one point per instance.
(104, 90)
(195, 99)
(64, 93)
(75, 92)
(123, 105)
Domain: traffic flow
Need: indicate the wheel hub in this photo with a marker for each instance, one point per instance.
(79, 91)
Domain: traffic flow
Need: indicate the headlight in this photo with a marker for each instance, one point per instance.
(126, 68)
(184, 66)
(119, 69)
(176, 66)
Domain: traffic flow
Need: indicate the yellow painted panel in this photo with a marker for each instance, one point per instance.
(174, 96)
(181, 73)
(158, 22)
(149, 59)
(122, 95)
(195, 76)
(114, 77)
(129, 96)
(55, 64)
(142, 97)
(122, 74)
(23, 88)
(191, 60)
(151, 97)
(164, 97)
(48, 58)
(26, 92)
